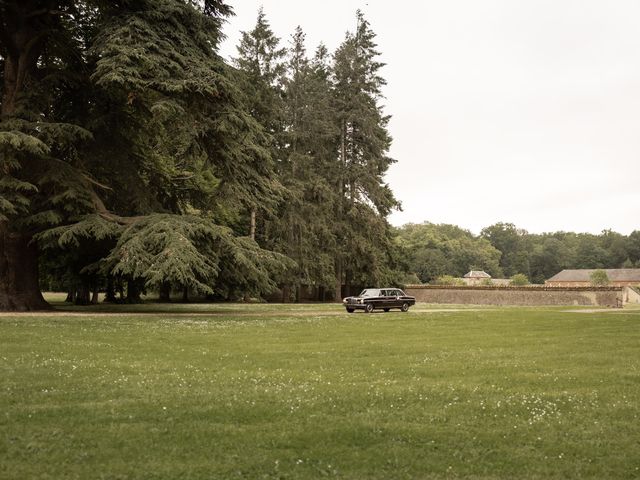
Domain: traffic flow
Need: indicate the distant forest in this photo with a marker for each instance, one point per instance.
(503, 250)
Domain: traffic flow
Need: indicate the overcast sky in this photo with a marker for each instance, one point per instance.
(521, 111)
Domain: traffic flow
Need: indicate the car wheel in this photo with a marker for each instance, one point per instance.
(350, 310)
(369, 308)
(404, 307)
(387, 309)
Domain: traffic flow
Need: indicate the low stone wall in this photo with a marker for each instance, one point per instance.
(525, 296)
(631, 295)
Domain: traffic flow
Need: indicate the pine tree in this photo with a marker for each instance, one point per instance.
(365, 200)
(302, 227)
(260, 60)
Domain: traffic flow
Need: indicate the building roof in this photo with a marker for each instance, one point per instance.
(584, 275)
(477, 274)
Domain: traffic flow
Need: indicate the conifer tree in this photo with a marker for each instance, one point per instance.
(365, 199)
(260, 60)
(302, 227)
(41, 176)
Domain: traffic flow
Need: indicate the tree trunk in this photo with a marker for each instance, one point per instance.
(19, 288)
(22, 42)
(84, 295)
(133, 292)
(71, 296)
(252, 227)
(347, 282)
(165, 292)
(95, 295)
(338, 290)
(185, 294)
(110, 295)
(341, 186)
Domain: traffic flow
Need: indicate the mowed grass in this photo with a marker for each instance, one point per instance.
(307, 391)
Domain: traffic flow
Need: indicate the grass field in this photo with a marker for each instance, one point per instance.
(307, 391)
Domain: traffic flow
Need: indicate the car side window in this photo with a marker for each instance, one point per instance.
(383, 293)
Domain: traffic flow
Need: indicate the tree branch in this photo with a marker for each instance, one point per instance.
(101, 209)
(7, 41)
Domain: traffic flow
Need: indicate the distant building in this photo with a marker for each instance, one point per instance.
(477, 274)
(476, 277)
(618, 277)
(480, 277)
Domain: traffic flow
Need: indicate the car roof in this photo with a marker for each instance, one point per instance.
(382, 288)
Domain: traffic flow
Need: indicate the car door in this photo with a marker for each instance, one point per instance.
(386, 298)
(381, 301)
(395, 300)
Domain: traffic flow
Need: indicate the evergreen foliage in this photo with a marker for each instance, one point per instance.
(260, 62)
(133, 155)
(302, 226)
(330, 141)
(123, 132)
(362, 232)
(191, 252)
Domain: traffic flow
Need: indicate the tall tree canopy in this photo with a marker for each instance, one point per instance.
(365, 199)
(119, 120)
(135, 158)
(330, 144)
(302, 227)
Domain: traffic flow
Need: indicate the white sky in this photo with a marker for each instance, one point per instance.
(524, 111)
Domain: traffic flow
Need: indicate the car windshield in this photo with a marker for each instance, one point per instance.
(370, 292)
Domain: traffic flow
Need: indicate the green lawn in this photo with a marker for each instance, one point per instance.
(307, 391)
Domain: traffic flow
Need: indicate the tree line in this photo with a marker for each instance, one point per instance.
(135, 158)
(504, 250)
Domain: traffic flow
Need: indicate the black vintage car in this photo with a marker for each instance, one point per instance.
(381, 298)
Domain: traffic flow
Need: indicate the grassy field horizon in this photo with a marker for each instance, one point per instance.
(309, 391)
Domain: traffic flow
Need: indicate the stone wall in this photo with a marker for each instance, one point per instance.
(525, 296)
(631, 295)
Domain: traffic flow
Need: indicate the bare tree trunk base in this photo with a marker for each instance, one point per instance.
(19, 288)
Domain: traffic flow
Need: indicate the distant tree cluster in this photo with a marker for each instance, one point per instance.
(505, 251)
(445, 251)
(135, 158)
